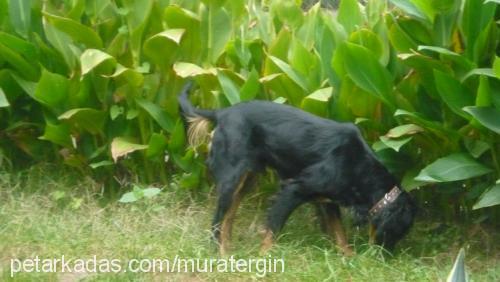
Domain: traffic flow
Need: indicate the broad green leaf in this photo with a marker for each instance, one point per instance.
(307, 33)
(280, 100)
(158, 114)
(496, 66)
(28, 86)
(216, 31)
(178, 138)
(487, 116)
(121, 146)
(399, 38)
(52, 90)
(101, 164)
(317, 102)
(365, 70)
(137, 19)
(20, 16)
(288, 12)
(132, 114)
(130, 76)
(409, 8)
(88, 119)
(454, 94)
(278, 48)
(370, 40)
(186, 70)
(408, 182)
(395, 144)
(307, 63)
(174, 35)
(349, 15)
(415, 29)
(26, 69)
(427, 8)
(115, 111)
(251, 87)
(62, 43)
(77, 31)
(91, 58)
(489, 198)
(485, 45)
(436, 127)
(284, 86)
(454, 167)
(482, 71)
(57, 134)
(151, 192)
(179, 18)
(476, 147)
(163, 46)
(24, 48)
(476, 16)
(326, 46)
(4, 103)
(373, 11)
(407, 129)
(229, 88)
(157, 145)
(291, 73)
(128, 197)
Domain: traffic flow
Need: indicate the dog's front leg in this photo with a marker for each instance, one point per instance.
(330, 218)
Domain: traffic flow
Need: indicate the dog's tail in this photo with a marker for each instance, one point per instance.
(198, 119)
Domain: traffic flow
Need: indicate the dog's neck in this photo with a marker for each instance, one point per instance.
(381, 184)
(388, 198)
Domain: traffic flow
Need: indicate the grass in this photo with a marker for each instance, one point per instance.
(58, 213)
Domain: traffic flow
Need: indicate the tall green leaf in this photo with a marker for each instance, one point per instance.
(366, 71)
(91, 58)
(290, 72)
(77, 31)
(87, 119)
(52, 90)
(229, 88)
(3, 99)
(487, 116)
(454, 167)
(121, 146)
(216, 30)
(454, 94)
(20, 16)
(349, 15)
(489, 198)
(158, 114)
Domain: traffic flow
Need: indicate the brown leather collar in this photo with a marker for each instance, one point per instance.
(388, 198)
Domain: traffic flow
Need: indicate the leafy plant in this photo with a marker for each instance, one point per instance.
(138, 193)
(93, 83)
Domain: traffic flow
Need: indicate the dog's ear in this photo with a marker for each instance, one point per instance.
(394, 221)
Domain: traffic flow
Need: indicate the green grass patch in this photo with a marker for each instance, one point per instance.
(48, 213)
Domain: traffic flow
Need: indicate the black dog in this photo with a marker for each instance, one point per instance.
(316, 159)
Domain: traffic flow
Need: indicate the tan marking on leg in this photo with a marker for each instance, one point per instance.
(335, 229)
(371, 233)
(227, 223)
(267, 242)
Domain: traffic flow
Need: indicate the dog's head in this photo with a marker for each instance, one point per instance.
(395, 220)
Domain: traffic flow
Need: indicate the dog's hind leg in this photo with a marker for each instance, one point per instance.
(330, 221)
(288, 199)
(230, 194)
